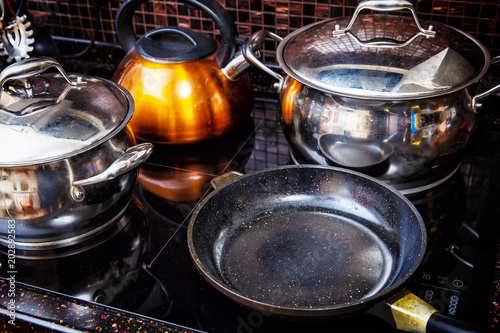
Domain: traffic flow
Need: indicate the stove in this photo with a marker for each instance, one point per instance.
(139, 273)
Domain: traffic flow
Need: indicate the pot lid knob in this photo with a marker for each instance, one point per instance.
(34, 66)
(386, 6)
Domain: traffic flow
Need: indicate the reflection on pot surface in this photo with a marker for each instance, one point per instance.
(368, 156)
(183, 174)
(423, 133)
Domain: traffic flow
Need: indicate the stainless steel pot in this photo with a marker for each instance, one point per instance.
(382, 78)
(68, 163)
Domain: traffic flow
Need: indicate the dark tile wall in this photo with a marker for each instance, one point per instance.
(76, 18)
(73, 23)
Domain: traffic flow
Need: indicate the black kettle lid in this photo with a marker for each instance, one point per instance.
(175, 44)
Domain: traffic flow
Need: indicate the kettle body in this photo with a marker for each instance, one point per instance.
(181, 91)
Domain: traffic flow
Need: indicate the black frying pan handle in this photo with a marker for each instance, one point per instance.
(126, 35)
(439, 323)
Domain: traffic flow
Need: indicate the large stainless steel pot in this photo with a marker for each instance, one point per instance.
(68, 163)
(381, 79)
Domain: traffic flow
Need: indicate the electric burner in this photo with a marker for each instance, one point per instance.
(417, 184)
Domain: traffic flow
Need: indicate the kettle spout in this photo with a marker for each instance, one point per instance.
(241, 60)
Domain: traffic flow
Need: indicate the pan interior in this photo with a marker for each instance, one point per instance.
(305, 258)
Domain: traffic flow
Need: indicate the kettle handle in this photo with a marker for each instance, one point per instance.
(126, 35)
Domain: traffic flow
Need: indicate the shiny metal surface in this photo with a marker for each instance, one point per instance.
(67, 168)
(386, 6)
(195, 100)
(242, 59)
(421, 97)
(51, 116)
(34, 66)
(354, 154)
(40, 198)
(183, 103)
(425, 134)
(129, 160)
(382, 57)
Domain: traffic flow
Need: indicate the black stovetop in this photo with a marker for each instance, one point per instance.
(143, 265)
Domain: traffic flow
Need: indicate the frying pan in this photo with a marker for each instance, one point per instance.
(306, 241)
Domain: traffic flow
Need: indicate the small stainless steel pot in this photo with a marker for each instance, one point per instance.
(68, 163)
(382, 78)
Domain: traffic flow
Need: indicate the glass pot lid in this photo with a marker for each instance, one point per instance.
(47, 116)
(383, 56)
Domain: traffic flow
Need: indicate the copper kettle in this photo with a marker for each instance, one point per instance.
(187, 86)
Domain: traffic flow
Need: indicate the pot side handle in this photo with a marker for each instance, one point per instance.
(251, 58)
(475, 103)
(131, 159)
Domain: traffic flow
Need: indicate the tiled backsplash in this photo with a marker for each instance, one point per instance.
(76, 19)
